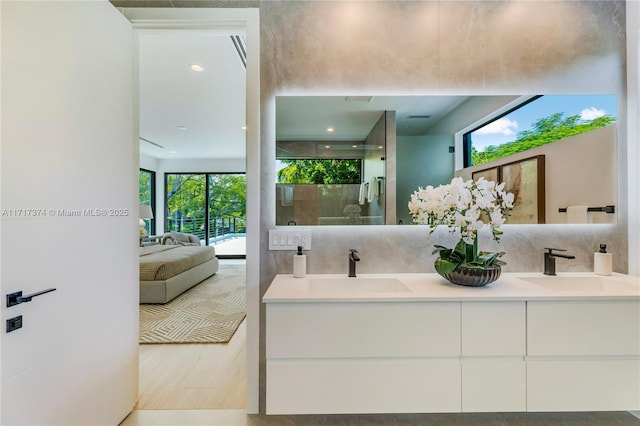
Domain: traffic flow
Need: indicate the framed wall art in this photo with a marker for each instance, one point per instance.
(526, 180)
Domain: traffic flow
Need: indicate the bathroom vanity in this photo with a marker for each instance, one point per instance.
(413, 343)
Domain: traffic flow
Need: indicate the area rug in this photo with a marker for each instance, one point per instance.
(210, 312)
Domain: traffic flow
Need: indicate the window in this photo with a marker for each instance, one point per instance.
(227, 205)
(211, 206)
(185, 201)
(537, 121)
(147, 191)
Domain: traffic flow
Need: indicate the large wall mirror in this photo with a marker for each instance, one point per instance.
(356, 160)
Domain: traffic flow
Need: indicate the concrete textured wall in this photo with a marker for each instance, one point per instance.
(438, 47)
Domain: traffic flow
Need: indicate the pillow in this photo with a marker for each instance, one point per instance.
(180, 239)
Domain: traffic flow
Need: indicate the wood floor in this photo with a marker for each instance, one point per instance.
(193, 376)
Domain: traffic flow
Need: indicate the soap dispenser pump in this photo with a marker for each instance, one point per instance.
(299, 264)
(602, 261)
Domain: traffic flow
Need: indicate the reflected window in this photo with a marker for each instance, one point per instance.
(325, 171)
(535, 122)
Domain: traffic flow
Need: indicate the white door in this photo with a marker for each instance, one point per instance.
(68, 174)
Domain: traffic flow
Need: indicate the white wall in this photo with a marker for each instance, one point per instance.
(217, 165)
(422, 160)
(148, 163)
(68, 143)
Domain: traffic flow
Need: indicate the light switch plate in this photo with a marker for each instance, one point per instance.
(289, 239)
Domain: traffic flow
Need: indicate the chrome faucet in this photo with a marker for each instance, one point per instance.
(550, 260)
(353, 258)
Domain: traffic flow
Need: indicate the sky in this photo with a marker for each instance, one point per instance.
(506, 128)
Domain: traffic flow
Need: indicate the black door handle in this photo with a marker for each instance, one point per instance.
(17, 297)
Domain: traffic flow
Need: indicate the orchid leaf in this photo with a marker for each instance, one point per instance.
(444, 266)
(488, 259)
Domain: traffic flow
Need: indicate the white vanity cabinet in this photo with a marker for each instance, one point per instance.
(493, 351)
(362, 357)
(583, 355)
(511, 346)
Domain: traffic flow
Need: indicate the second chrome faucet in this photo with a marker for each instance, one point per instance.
(353, 258)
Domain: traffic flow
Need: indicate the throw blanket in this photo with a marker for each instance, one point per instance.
(180, 239)
(160, 262)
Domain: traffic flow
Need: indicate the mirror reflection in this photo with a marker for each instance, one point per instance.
(355, 160)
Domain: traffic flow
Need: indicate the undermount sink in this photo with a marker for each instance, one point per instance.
(590, 284)
(356, 285)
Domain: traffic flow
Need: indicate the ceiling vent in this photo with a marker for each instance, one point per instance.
(419, 116)
(151, 142)
(366, 99)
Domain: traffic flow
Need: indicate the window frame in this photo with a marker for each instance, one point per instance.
(206, 198)
(466, 136)
(152, 189)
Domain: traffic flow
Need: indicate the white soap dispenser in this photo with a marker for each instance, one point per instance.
(602, 261)
(299, 264)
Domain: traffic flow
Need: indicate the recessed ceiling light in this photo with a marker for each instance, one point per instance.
(182, 127)
(173, 152)
(327, 146)
(196, 67)
(329, 129)
(244, 127)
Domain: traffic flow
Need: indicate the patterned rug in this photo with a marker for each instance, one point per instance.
(210, 312)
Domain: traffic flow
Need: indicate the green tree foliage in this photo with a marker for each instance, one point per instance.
(186, 199)
(322, 171)
(544, 131)
(228, 195)
(145, 187)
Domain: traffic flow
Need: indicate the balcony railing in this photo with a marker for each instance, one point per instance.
(218, 226)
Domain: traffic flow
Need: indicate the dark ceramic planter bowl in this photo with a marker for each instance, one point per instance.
(473, 277)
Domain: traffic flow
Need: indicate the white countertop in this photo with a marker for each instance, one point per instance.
(432, 287)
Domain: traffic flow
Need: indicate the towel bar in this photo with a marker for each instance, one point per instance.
(606, 209)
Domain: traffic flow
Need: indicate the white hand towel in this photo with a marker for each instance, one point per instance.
(286, 195)
(577, 214)
(373, 189)
(363, 193)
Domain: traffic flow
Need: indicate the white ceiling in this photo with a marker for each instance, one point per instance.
(352, 118)
(210, 104)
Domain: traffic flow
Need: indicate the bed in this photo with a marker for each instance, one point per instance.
(167, 271)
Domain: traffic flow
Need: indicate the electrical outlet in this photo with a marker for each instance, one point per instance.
(289, 239)
(305, 240)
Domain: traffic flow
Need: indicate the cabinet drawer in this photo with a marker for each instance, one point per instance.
(498, 385)
(342, 330)
(583, 328)
(493, 328)
(583, 385)
(363, 386)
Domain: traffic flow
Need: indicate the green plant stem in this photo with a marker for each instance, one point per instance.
(471, 254)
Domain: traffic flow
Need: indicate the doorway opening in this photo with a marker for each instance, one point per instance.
(192, 112)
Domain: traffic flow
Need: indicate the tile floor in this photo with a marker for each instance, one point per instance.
(240, 418)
